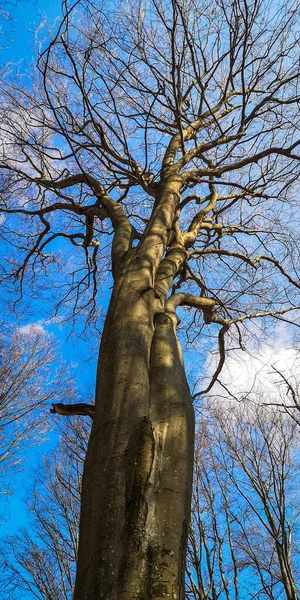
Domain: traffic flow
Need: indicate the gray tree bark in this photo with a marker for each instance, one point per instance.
(138, 471)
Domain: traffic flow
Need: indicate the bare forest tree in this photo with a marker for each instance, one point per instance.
(7, 21)
(154, 149)
(244, 539)
(288, 384)
(40, 563)
(29, 378)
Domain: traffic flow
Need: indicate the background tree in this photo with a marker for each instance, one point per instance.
(7, 21)
(29, 378)
(40, 562)
(244, 539)
(288, 384)
(160, 142)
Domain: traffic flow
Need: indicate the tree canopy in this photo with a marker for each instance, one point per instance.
(204, 93)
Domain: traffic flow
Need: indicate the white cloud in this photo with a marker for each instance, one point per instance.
(256, 372)
(40, 327)
(32, 329)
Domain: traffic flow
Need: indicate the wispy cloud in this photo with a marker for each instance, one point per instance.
(257, 371)
(32, 328)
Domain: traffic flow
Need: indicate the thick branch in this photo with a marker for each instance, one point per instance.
(197, 222)
(183, 299)
(201, 148)
(169, 268)
(191, 131)
(122, 227)
(156, 235)
(69, 410)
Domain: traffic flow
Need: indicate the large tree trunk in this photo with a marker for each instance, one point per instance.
(138, 471)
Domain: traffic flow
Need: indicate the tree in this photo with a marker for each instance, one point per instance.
(289, 387)
(7, 21)
(28, 380)
(244, 539)
(40, 562)
(167, 134)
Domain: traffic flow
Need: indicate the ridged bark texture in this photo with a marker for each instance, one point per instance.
(138, 470)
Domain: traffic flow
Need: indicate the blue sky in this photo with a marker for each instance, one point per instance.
(25, 17)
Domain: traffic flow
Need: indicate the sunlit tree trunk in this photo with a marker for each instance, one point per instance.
(138, 471)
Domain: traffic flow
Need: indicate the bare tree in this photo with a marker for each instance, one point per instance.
(245, 527)
(29, 379)
(159, 141)
(288, 383)
(40, 562)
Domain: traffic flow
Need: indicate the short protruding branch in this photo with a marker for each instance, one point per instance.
(184, 299)
(69, 410)
(207, 305)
